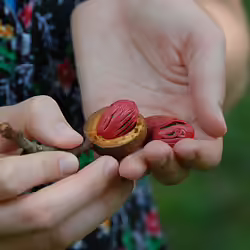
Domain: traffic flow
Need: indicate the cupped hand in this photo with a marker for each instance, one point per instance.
(57, 215)
(167, 56)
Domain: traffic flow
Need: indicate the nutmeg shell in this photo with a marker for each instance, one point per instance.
(118, 147)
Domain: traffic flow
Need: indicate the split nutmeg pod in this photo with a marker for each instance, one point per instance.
(117, 130)
(120, 129)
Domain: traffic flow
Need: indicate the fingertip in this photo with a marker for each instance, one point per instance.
(185, 149)
(109, 164)
(68, 164)
(133, 167)
(109, 161)
(44, 121)
(64, 136)
(156, 152)
(207, 77)
(212, 120)
(199, 154)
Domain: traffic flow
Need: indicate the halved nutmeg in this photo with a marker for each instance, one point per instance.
(117, 130)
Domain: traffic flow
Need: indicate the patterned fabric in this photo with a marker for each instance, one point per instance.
(36, 57)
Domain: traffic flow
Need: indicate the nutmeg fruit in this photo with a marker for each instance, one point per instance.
(118, 119)
(168, 129)
(117, 130)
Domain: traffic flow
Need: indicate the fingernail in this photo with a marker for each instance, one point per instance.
(68, 165)
(221, 118)
(63, 129)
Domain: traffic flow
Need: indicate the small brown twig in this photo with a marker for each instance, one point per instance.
(30, 147)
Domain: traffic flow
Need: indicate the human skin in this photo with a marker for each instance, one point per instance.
(230, 16)
(46, 219)
(74, 205)
(173, 58)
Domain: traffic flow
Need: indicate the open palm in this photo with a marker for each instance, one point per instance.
(168, 57)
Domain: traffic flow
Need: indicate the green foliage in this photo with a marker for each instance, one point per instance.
(247, 7)
(86, 158)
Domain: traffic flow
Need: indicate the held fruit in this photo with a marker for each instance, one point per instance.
(117, 130)
(167, 129)
(118, 119)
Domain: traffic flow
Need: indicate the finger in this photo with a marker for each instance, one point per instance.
(20, 174)
(41, 118)
(163, 164)
(92, 215)
(200, 154)
(207, 71)
(157, 158)
(77, 226)
(134, 166)
(51, 205)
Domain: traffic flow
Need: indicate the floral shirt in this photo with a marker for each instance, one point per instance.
(36, 57)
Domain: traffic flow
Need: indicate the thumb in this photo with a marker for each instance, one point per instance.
(207, 69)
(40, 118)
(21, 173)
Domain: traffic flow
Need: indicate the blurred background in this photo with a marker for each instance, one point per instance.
(211, 210)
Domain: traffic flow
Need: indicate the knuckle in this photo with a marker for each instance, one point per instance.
(38, 218)
(8, 185)
(42, 98)
(38, 102)
(41, 219)
(36, 108)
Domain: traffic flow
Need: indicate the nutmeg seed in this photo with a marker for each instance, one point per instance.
(168, 129)
(118, 147)
(118, 119)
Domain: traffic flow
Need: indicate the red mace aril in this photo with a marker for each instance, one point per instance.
(118, 119)
(169, 130)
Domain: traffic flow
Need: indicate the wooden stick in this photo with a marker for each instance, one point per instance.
(30, 147)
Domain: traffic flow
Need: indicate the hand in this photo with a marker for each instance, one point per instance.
(58, 215)
(167, 56)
